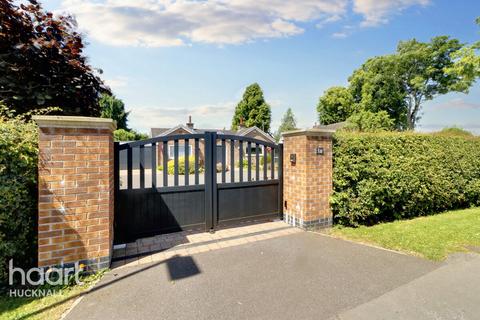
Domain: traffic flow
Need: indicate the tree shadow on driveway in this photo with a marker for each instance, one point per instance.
(179, 267)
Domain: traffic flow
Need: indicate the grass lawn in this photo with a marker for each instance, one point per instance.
(432, 237)
(50, 307)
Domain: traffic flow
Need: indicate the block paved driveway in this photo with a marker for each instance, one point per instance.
(299, 275)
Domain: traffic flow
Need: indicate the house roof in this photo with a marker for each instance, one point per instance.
(180, 126)
(241, 132)
(333, 126)
(155, 132)
(245, 131)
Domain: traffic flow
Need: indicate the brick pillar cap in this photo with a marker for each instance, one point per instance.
(75, 122)
(310, 132)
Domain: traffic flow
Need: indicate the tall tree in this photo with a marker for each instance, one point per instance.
(336, 105)
(467, 65)
(422, 69)
(368, 121)
(288, 123)
(252, 110)
(400, 83)
(376, 87)
(42, 63)
(114, 108)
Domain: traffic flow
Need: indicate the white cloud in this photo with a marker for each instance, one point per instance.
(165, 23)
(328, 20)
(340, 35)
(346, 31)
(274, 102)
(117, 82)
(210, 116)
(457, 104)
(215, 116)
(158, 23)
(377, 12)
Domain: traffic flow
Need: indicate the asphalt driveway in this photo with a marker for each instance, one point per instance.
(297, 276)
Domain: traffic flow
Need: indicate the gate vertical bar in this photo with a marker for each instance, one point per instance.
(129, 168)
(249, 161)
(142, 166)
(208, 181)
(224, 164)
(265, 162)
(214, 181)
(175, 162)
(257, 162)
(197, 150)
(272, 163)
(165, 163)
(232, 160)
(154, 165)
(187, 155)
(280, 181)
(240, 160)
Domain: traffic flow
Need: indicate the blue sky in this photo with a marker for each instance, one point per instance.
(170, 59)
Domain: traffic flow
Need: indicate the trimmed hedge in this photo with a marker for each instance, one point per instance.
(181, 166)
(386, 176)
(18, 194)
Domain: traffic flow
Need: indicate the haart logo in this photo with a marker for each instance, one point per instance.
(54, 276)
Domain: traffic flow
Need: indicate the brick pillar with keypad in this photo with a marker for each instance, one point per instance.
(307, 182)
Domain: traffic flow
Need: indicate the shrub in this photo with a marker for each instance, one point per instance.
(387, 176)
(128, 135)
(18, 193)
(181, 166)
(454, 131)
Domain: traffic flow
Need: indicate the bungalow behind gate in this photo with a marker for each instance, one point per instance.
(189, 128)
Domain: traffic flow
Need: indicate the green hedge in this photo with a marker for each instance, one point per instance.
(181, 166)
(18, 194)
(386, 176)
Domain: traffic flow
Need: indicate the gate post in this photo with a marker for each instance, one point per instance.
(76, 191)
(280, 181)
(307, 178)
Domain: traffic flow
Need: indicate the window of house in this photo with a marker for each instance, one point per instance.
(181, 151)
(253, 149)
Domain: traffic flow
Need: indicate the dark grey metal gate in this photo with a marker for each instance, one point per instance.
(213, 191)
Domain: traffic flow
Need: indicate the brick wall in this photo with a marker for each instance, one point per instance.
(307, 184)
(75, 208)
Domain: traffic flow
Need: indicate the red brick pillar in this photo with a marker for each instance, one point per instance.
(75, 182)
(307, 178)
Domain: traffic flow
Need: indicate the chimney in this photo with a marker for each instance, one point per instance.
(190, 123)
